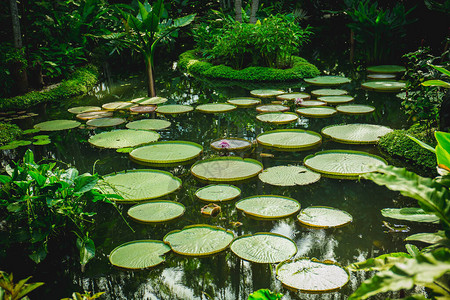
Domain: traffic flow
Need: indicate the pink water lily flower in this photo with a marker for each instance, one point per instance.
(298, 101)
(224, 144)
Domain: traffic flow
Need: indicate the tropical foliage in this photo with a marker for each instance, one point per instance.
(15, 291)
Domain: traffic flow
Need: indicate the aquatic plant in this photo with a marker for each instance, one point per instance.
(15, 291)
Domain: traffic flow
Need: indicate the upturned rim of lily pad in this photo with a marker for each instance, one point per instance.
(147, 203)
(312, 103)
(259, 216)
(149, 100)
(118, 105)
(214, 186)
(316, 226)
(248, 146)
(94, 115)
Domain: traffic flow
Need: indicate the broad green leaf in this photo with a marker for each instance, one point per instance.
(288, 176)
(356, 133)
(218, 192)
(56, 125)
(167, 152)
(123, 138)
(156, 211)
(422, 144)
(441, 69)
(421, 270)
(432, 197)
(436, 82)
(26, 288)
(268, 206)
(443, 148)
(87, 250)
(84, 183)
(290, 139)
(216, 107)
(384, 86)
(429, 238)
(226, 169)
(413, 214)
(28, 158)
(139, 254)
(412, 250)
(143, 13)
(5, 179)
(324, 217)
(183, 21)
(264, 294)
(382, 262)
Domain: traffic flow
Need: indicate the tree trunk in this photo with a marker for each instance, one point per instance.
(238, 10)
(150, 81)
(18, 67)
(255, 6)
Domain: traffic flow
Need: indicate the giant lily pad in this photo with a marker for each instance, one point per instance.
(264, 248)
(139, 185)
(266, 93)
(317, 112)
(323, 217)
(218, 193)
(290, 139)
(293, 96)
(94, 115)
(143, 109)
(167, 152)
(226, 169)
(268, 207)
(149, 124)
(149, 100)
(381, 76)
(328, 92)
(83, 109)
(56, 125)
(138, 254)
(105, 122)
(216, 107)
(344, 164)
(123, 138)
(174, 109)
(327, 80)
(387, 69)
(271, 108)
(333, 100)
(199, 240)
(356, 133)
(288, 176)
(156, 211)
(309, 103)
(277, 117)
(231, 144)
(311, 275)
(384, 86)
(118, 105)
(244, 101)
(355, 109)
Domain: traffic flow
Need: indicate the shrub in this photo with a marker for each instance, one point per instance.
(9, 132)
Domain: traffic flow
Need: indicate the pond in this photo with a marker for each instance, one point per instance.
(224, 275)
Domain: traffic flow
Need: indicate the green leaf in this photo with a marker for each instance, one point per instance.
(183, 21)
(40, 179)
(441, 69)
(84, 183)
(5, 179)
(412, 250)
(443, 149)
(422, 144)
(39, 254)
(382, 262)
(264, 294)
(432, 197)
(87, 250)
(436, 82)
(413, 214)
(28, 288)
(421, 270)
(28, 157)
(429, 238)
(143, 13)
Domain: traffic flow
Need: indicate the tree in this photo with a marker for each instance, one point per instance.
(18, 63)
(143, 32)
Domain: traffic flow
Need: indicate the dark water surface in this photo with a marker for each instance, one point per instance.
(223, 276)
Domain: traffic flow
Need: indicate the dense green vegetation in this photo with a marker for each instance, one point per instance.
(9, 132)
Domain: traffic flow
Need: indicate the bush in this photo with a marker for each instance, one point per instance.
(397, 145)
(78, 83)
(9, 132)
(190, 62)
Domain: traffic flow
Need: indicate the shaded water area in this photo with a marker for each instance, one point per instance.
(223, 276)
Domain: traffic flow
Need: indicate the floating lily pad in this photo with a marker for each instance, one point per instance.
(344, 164)
(211, 210)
(215, 107)
(226, 169)
(42, 142)
(268, 207)
(324, 217)
(266, 93)
(278, 117)
(384, 86)
(94, 115)
(328, 92)
(105, 122)
(148, 124)
(327, 80)
(41, 136)
(123, 138)
(118, 105)
(199, 240)
(149, 100)
(83, 109)
(311, 275)
(387, 69)
(288, 176)
(272, 108)
(56, 125)
(244, 101)
(317, 112)
(231, 144)
(293, 96)
(309, 103)
(333, 100)
(9, 146)
(125, 150)
(290, 139)
(144, 109)
(156, 211)
(139, 254)
(264, 248)
(218, 193)
(174, 109)
(381, 76)
(167, 152)
(139, 185)
(356, 133)
(355, 109)
(31, 131)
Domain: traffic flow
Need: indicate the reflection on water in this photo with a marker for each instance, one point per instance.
(222, 276)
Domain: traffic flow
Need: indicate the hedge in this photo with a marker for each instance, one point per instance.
(78, 83)
(194, 65)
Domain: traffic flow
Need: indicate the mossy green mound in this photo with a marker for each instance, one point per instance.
(194, 65)
(9, 132)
